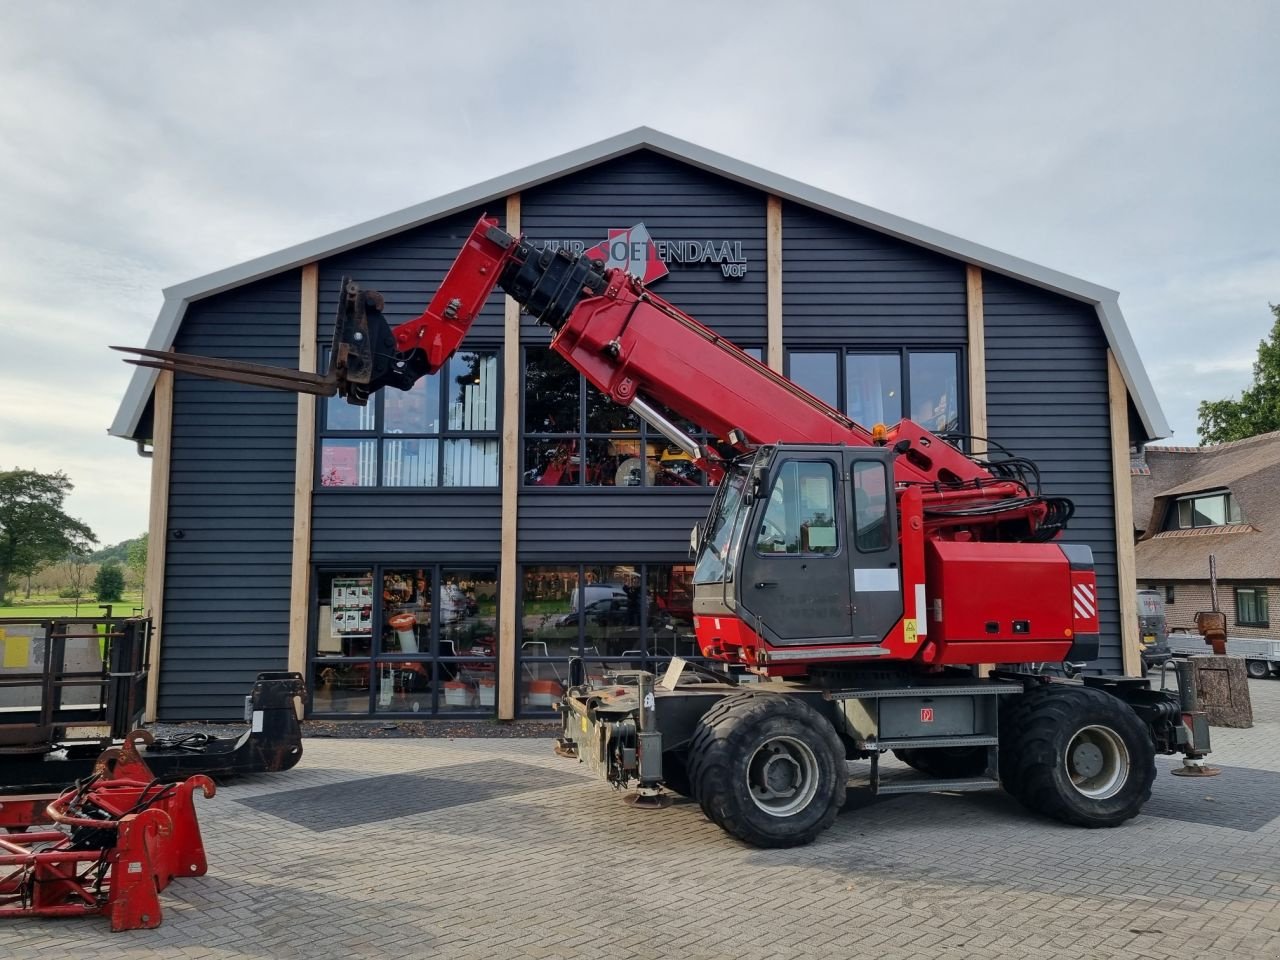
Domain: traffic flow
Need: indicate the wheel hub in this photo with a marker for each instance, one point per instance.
(781, 773)
(782, 776)
(1087, 760)
(1097, 762)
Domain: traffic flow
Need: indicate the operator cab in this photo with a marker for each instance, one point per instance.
(801, 547)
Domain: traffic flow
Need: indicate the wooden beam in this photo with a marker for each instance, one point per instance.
(303, 471)
(773, 281)
(1122, 493)
(158, 529)
(977, 359)
(509, 572)
(977, 344)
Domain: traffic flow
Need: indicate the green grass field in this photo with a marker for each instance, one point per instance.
(48, 609)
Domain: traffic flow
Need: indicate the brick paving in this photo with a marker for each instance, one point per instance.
(496, 848)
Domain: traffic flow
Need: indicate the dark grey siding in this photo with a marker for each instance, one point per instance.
(376, 526)
(227, 560)
(844, 283)
(406, 269)
(675, 202)
(608, 524)
(1047, 400)
(371, 526)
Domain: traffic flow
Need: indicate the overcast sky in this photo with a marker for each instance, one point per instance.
(1132, 144)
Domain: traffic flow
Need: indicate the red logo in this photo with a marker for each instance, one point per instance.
(926, 714)
(632, 250)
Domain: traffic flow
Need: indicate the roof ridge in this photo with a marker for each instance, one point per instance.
(1102, 299)
(1215, 447)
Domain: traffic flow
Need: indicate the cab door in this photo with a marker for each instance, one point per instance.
(794, 580)
(875, 574)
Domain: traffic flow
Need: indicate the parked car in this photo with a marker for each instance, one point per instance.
(1153, 629)
(605, 612)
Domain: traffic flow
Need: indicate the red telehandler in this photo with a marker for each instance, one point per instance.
(859, 577)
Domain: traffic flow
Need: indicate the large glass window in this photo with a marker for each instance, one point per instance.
(1251, 607)
(576, 436)
(405, 640)
(873, 386)
(441, 433)
(616, 617)
(883, 385)
(817, 373)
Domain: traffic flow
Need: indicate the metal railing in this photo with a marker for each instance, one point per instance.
(67, 672)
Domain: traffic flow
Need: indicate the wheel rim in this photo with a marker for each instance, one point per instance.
(1097, 762)
(782, 776)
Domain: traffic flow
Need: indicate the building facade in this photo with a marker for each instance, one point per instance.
(1220, 501)
(445, 551)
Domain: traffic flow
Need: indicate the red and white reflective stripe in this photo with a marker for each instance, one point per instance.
(1086, 603)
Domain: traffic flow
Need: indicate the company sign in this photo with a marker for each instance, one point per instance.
(634, 251)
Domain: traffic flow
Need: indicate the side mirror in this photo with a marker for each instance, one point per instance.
(695, 539)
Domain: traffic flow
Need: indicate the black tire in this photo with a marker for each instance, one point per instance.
(675, 774)
(946, 763)
(1078, 755)
(767, 769)
(1258, 669)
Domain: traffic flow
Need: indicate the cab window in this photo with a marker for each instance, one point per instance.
(801, 516)
(870, 506)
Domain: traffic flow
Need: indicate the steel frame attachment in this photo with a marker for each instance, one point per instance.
(116, 843)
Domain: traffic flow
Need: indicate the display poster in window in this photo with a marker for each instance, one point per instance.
(352, 605)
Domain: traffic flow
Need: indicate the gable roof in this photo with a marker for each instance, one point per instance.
(1250, 469)
(177, 298)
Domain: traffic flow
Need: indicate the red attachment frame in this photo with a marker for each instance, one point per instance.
(80, 869)
(440, 329)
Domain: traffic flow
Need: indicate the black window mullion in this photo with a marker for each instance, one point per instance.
(642, 598)
(582, 457)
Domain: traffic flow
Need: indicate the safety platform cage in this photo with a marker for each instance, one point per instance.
(70, 679)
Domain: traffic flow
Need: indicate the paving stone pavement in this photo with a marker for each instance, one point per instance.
(496, 848)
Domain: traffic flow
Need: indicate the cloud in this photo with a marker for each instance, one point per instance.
(141, 146)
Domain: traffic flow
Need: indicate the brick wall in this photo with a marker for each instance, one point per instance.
(1190, 597)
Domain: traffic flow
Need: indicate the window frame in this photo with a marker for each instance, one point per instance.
(836, 507)
(1259, 603)
(379, 437)
(378, 656)
(904, 353)
(856, 526)
(1230, 508)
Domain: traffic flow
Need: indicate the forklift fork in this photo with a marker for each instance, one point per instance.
(361, 353)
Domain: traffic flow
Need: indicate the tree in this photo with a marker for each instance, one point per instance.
(1258, 409)
(33, 527)
(136, 556)
(77, 567)
(109, 583)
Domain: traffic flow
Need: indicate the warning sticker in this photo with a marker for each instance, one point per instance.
(909, 630)
(17, 651)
